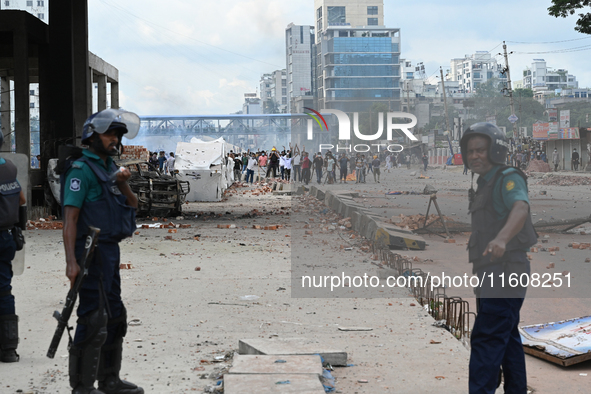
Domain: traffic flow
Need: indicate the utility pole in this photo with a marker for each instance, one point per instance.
(509, 89)
(444, 99)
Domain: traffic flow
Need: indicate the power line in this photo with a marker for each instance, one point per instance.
(549, 42)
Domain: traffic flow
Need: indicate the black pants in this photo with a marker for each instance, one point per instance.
(272, 168)
(306, 175)
(343, 174)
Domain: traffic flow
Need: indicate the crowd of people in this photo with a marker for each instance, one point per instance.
(298, 165)
(163, 162)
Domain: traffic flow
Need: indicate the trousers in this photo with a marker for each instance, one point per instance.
(101, 288)
(495, 339)
(7, 252)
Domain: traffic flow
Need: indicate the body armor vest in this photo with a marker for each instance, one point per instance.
(10, 191)
(110, 213)
(486, 226)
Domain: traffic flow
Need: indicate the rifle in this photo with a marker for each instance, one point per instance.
(62, 318)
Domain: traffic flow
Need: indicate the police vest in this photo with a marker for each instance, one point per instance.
(486, 226)
(10, 191)
(110, 213)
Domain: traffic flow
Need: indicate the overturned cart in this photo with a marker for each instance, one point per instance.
(158, 194)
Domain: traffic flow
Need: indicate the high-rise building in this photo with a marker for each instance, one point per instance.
(539, 77)
(299, 41)
(38, 8)
(475, 70)
(274, 91)
(357, 58)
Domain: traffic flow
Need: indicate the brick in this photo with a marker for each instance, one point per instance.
(450, 241)
(551, 265)
(172, 231)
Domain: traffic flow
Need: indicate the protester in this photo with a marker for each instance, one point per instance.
(575, 159)
(330, 165)
(161, 161)
(555, 159)
(343, 164)
(306, 166)
(273, 163)
(170, 163)
(360, 170)
(252, 163)
(296, 159)
(287, 166)
(317, 165)
(376, 169)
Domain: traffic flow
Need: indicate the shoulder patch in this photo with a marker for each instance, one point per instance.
(77, 164)
(75, 184)
(510, 185)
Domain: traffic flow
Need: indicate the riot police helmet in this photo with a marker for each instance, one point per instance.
(111, 119)
(498, 147)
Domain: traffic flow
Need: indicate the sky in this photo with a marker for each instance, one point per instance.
(198, 57)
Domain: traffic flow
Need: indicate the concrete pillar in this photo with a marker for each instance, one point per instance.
(102, 91)
(44, 106)
(22, 120)
(5, 114)
(82, 73)
(61, 85)
(115, 95)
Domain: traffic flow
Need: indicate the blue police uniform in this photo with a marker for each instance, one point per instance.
(495, 339)
(102, 320)
(9, 206)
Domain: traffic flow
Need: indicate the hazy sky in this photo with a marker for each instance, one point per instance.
(195, 57)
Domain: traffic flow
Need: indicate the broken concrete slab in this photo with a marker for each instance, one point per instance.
(266, 364)
(272, 384)
(293, 347)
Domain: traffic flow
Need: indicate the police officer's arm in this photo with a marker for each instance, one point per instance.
(70, 222)
(515, 222)
(121, 181)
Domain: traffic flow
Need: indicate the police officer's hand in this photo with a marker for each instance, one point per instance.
(72, 270)
(496, 248)
(123, 175)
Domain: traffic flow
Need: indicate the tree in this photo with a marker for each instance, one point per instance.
(564, 8)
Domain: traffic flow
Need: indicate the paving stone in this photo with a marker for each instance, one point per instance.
(267, 384)
(260, 364)
(294, 347)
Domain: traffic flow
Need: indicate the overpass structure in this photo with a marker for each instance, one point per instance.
(245, 130)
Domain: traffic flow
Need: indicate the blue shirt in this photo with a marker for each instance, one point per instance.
(82, 184)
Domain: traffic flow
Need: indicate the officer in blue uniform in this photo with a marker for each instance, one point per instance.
(95, 193)
(11, 196)
(502, 232)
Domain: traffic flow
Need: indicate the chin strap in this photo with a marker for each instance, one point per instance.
(471, 192)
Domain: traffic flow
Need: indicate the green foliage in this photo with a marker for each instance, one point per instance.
(523, 93)
(564, 8)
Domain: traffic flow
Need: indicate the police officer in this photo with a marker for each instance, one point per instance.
(95, 193)
(502, 232)
(11, 196)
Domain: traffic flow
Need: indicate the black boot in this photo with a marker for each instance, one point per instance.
(110, 364)
(85, 356)
(8, 338)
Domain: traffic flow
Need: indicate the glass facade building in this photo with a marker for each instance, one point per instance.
(357, 67)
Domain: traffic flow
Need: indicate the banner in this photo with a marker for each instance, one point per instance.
(571, 133)
(553, 115)
(540, 131)
(565, 119)
(553, 130)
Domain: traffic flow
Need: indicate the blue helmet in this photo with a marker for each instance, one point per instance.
(111, 119)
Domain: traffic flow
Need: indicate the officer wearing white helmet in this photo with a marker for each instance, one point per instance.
(95, 193)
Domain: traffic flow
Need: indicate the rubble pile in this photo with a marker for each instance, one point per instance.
(414, 222)
(567, 180)
(538, 166)
(49, 223)
(135, 152)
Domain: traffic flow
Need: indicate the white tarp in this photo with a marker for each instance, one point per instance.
(203, 164)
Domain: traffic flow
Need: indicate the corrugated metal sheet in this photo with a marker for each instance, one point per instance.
(564, 342)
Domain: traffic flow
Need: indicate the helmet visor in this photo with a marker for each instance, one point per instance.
(101, 122)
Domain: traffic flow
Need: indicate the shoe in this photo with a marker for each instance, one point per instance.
(9, 356)
(113, 385)
(86, 390)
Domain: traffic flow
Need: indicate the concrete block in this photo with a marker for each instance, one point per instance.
(320, 195)
(292, 347)
(399, 240)
(247, 364)
(313, 191)
(267, 384)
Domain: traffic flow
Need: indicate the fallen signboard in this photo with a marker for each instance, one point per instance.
(564, 342)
